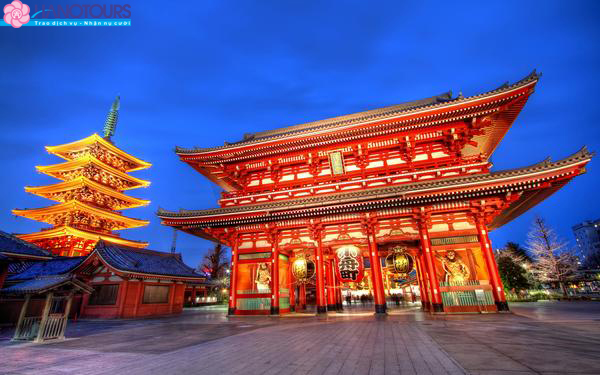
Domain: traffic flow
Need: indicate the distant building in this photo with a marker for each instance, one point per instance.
(587, 235)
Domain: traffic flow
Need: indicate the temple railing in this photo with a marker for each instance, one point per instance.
(55, 327)
(460, 283)
(28, 329)
(468, 298)
(253, 304)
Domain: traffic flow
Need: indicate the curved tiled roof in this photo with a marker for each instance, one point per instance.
(42, 284)
(340, 198)
(50, 267)
(13, 245)
(144, 261)
(356, 118)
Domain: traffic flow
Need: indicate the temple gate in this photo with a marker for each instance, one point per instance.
(343, 202)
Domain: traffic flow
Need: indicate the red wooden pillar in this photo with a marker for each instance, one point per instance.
(331, 305)
(321, 303)
(291, 286)
(234, 276)
(422, 286)
(436, 297)
(124, 289)
(275, 278)
(376, 272)
(492, 267)
(338, 287)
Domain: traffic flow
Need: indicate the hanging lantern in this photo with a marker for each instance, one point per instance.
(303, 269)
(399, 261)
(350, 266)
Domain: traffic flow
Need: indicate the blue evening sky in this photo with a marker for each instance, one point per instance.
(201, 73)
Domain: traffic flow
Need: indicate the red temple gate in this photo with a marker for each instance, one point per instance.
(415, 175)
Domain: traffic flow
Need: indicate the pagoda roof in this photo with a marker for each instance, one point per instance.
(40, 214)
(82, 144)
(62, 231)
(79, 182)
(348, 123)
(13, 246)
(515, 180)
(149, 263)
(54, 170)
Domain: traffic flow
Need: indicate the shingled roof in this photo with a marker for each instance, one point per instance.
(50, 267)
(46, 283)
(144, 261)
(13, 246)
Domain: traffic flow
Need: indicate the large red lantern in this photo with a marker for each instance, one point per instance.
(350, 267)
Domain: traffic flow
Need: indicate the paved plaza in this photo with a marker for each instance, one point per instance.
(538, 338)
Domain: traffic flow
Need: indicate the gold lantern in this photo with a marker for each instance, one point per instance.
(400, 261)
(302, 268)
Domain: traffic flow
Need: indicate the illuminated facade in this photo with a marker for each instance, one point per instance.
(398, 193)
(90, 195)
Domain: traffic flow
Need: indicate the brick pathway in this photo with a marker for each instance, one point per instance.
(409, 343)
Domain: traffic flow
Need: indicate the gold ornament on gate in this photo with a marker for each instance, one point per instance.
(400, 261)
(302, 268)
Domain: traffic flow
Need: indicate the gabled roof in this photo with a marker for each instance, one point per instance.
(142, 261)
(12, 245)
(82, 144)
(46, 283)
(50, 267)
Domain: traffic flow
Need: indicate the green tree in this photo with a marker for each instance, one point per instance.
(511, 270)
(518, 251)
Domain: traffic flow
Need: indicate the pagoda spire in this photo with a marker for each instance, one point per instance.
(110, 125)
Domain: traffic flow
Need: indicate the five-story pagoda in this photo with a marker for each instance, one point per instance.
(89, 196)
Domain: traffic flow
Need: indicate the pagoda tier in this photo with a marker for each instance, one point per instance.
(94, 176)
(85, 190)
(355, 194)
(69, 241)
(92, 168)
(444, 135)
(82, 216)
(102, 150)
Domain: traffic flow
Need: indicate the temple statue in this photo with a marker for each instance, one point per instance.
(456, 270)
(263, 277)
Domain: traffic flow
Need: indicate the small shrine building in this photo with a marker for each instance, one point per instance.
(360, 201)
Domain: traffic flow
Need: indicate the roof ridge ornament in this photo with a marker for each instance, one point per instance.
(110, 125)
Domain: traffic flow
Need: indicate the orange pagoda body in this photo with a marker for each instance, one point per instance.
(388, 202)
(89, 197)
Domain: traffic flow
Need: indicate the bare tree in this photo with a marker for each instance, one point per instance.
(215, 264)
(552, 262)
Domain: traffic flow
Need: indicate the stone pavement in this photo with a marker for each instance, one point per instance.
(203, 341)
